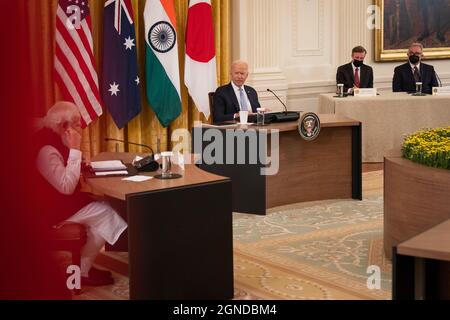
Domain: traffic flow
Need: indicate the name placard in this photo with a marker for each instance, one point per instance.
(365, 92)
(441, 91)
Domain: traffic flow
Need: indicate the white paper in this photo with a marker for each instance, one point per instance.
(110, 165)
(365, 92)
(137, 178)
(441, 91)
(109, 173)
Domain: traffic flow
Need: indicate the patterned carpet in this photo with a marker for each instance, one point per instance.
(315, 250)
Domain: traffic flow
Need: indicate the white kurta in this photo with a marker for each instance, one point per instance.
(102, 221)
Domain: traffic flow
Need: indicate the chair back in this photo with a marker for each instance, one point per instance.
(211, 105)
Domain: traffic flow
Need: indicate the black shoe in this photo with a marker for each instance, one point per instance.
(98, 273)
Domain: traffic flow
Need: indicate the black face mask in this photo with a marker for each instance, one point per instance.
(414, 59)
(358, 63)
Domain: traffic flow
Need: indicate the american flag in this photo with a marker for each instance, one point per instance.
(75, 70)
(120, 80)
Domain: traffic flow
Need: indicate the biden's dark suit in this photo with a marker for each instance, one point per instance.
(226, 104)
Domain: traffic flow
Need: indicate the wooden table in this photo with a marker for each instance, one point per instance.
(179, 233)
(327, 168)
(416, 198)
(421, 268)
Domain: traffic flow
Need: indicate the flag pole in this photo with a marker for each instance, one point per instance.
(125, 136)
(158, 140)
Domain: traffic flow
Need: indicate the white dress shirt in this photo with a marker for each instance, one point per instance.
(238, 96)
(413, 66)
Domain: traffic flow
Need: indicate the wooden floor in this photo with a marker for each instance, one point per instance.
(368, 167)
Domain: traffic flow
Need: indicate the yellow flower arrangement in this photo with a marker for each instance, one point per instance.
(429, 147)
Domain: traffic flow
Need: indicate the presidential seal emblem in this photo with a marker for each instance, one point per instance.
(162, 37)
(309, 126)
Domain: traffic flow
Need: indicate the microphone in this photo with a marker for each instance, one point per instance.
(283, 116)
(438, 79)
(146, 164)
(284, 105)
(132, 143)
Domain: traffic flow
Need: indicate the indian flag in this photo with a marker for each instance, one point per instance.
(162, 70)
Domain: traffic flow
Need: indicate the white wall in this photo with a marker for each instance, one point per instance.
(295, 46)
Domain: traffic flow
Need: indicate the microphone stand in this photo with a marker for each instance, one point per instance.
(276, 96)
(132, 143)
(286, 115)
(438, 79)
(146, 164)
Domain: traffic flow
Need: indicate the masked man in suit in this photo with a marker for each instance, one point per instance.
(406, 75)
(355, 74)
(235, 96)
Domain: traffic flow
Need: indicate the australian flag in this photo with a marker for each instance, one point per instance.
(120, 81)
